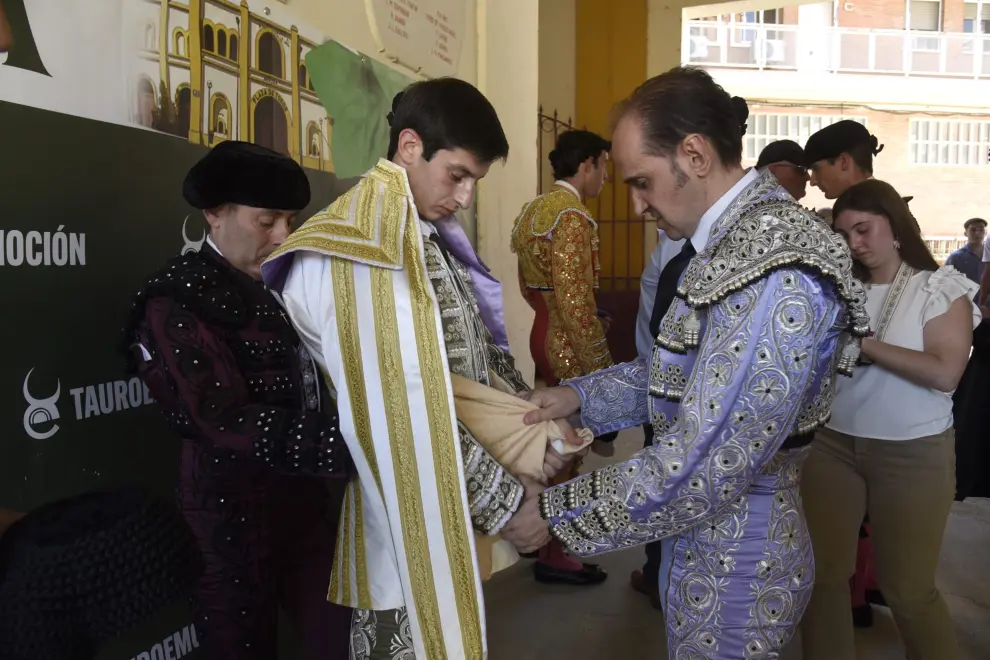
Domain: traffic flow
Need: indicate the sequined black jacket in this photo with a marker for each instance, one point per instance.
(217, 352)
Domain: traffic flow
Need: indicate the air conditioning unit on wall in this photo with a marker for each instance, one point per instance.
(697, 47)
(774, 50)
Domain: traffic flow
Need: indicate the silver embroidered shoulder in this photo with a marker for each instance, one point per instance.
(773, 233)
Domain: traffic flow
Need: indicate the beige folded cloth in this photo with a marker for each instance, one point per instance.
(494, 415)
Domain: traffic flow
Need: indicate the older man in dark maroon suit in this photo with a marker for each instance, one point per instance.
(261, 449)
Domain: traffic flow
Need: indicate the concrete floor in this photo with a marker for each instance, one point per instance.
(528, 620)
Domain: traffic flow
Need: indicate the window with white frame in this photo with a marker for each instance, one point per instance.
(949, 142)
(764, 128)
(976, 20)
(924, 16)
(746, 36)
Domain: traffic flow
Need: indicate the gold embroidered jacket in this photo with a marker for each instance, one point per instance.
(556, 242)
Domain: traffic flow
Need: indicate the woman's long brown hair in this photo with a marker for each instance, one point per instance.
(880, 198)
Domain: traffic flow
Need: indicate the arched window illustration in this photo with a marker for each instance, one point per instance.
(146, 102)
(271, 128)
(303, 76)
(221, 42)
(179, 42)
(234, 43)
(182, 105)
(220, 115)
(314, 139)
(149, 37)
(270, 54)
(208, 38)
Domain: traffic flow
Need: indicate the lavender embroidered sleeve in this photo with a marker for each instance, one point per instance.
(756, 361)
(615, 398)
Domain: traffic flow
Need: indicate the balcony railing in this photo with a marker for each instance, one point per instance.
(836, 49)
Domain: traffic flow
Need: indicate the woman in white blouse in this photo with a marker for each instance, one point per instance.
(888, 449)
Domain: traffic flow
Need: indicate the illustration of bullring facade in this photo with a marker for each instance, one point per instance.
(224, 72)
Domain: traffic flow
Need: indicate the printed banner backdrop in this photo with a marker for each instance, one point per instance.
(104, 106)
(358, 93)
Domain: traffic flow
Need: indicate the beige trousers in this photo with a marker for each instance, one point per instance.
(907, 488)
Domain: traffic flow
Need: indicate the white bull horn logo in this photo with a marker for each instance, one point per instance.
(40, 411)
(190, 245)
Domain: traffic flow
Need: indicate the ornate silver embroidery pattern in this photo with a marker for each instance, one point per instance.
(493, 494)
(774, 232)
(786, 573)
(364, 629)
(613, 398)
(466, 352)
(761, 392)
(666, 380)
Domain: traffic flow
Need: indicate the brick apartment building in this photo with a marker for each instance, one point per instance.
(915, 72)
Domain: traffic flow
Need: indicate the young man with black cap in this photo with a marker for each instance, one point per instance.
(839, 156)
(261, 452)
(785, 160)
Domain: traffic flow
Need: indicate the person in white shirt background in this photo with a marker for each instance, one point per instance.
(888, 449)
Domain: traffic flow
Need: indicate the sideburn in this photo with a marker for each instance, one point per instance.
(680, 176)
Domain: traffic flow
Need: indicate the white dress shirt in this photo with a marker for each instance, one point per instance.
(666, 250)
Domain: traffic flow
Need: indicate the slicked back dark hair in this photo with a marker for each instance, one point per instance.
(573, 148)
(684, 101)
(448, 113)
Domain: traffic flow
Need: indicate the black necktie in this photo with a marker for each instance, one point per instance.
(667, 286)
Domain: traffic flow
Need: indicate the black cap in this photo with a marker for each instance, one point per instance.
(782, 151)
(237, 172)
(838, 138)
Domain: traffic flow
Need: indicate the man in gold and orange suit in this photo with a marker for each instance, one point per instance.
(556, 241)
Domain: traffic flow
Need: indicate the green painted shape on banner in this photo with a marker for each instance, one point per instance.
(357, 93)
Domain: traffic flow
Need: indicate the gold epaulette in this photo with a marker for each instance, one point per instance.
(365, 224)
(541, 216)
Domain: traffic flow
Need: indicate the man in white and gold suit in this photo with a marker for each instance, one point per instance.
(391, 300)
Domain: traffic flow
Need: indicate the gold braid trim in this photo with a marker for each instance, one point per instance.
(406, 469)
(360, 554)
(446, 460)
(350, 345)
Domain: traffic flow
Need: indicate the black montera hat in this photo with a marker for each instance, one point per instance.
(838, 138)
(76, 573)
(782, 151)
(237, 172)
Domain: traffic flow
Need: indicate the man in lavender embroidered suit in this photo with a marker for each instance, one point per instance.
(742, 372)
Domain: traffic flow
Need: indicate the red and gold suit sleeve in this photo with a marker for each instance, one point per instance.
(574, 282)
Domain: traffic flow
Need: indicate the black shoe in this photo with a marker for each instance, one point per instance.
(876, 598)
(863, 616)
(588, 575)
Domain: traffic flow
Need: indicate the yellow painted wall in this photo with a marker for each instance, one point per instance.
(611, 61)
(557, 62)
(664, 34)
(508, 74)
